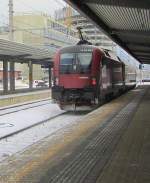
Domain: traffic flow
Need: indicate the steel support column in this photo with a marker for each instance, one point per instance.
(12, 76)
(5, 76)
(30, 75)
(50, 77)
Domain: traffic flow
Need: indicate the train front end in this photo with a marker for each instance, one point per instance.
(74, 79)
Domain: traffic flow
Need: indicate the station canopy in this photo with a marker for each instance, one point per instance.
(21, 52)
(126, 22)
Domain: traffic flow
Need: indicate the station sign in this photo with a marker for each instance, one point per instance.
(141, 66)
(44, 66)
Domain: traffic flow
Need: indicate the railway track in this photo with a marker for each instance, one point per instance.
(31, 126)
(51, 127)
(25, 106)
(22, 107)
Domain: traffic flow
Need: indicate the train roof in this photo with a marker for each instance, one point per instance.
(89, 48)
(110, 54)
(79, 48)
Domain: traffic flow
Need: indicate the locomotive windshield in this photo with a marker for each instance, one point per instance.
(84, 62)
(66, 63)
(75, 62)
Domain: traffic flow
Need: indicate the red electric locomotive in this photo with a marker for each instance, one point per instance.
(84, 76)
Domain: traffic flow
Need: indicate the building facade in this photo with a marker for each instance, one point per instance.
(39, 30)
(42, 31)
(70, 17)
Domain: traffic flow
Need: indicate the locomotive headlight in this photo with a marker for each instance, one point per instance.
(93, 81)
(56, 81)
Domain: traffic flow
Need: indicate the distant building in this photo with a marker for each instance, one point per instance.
(39, 30)
(42, 31)
(18, 75)
(72, 18)
(4, 32)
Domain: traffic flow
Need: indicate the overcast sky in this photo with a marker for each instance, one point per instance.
(45, 6)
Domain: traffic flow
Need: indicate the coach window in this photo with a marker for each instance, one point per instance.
(1, 76)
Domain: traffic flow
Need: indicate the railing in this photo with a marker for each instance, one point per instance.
(60, 37)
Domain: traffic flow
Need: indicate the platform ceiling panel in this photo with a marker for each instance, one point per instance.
(10, 49)
(127, 22)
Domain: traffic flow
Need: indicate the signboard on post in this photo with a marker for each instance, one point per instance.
(141, 66)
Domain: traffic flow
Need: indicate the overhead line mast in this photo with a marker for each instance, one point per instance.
(11, 20)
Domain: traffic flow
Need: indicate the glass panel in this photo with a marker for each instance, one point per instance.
(40, 77)
(1, 76)
(84, 62)
(66, 63)
(21, 75)
(75, 63)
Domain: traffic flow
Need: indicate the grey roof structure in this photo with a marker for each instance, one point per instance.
(18, 51)
(126, 22)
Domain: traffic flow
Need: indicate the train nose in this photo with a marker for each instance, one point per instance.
(74, 81)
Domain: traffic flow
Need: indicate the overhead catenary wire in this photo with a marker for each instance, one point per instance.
(60, 3)
(11, 20)
(28, 6)
(15, 28)
(3, 7)
(33, 8)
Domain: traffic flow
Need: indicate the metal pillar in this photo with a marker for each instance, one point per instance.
(10, 20)
(50, 77)
(12, 76)
(30, 75)
(5, 76)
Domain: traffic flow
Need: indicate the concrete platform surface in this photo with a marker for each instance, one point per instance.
(130, 161)
(109, 145)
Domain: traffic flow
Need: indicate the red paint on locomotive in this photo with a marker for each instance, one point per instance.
(84, 74)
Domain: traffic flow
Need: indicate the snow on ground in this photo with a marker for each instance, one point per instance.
(15, 121)
(23, 118)
(53, 128)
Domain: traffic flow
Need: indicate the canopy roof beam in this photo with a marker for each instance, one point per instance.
(121, 3)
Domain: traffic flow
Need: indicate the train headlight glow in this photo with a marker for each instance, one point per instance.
(56, 81)
(93, 81)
